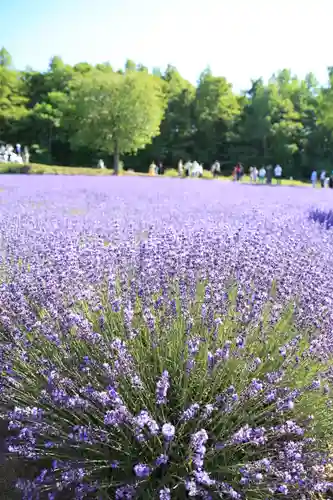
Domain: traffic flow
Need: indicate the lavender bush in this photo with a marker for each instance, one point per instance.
(323, 217)
(169, 405)
(174, 344)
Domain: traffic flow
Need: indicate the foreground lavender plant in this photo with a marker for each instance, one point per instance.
(107, 412)
(172, 344)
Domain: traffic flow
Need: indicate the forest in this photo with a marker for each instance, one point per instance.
(73, 115)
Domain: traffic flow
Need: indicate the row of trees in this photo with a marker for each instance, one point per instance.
(72, 115)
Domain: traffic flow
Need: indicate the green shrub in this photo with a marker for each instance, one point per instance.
(15, 168)
(134, 405)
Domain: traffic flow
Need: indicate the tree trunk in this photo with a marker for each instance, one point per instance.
(264, 146)
(50, 144)
(116, 160)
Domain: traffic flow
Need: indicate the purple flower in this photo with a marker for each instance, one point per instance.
(203, 478)
(125, 492)
(142, 470)
(190, 413)
(161, 460)
(162, 387)
(165, 494)
(283, 489)
(144, 420)
(168, 431)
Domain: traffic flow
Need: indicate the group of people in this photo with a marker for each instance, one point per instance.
(190, 169)
(195, 169)
(265, 174)
(156, 169)
(11, 154)
(325, 180)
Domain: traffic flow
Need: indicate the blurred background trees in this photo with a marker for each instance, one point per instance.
(163, 117)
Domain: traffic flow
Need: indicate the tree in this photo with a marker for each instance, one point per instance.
(130, 65)
(12, 96)
(46, 119)
(113, 113)
(5, 58)
(216, 111)
(287, 119)
(177, 128)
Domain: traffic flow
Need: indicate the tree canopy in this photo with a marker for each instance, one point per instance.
(114, 113)
(72, 115)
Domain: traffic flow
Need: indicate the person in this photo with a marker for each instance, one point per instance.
(330, 181)
(254, 175)
(194, 169)
(238, 172)
(278, 173)
(9, 152)
(322, 178)
(161, 168)
(26, 155)
(269, 174)
(241, 171)
(18, 148)
(101, 164)
(314, 178)
(180, 168)
(152, 169)
(187, 168)
(215, 168)
(262, 175)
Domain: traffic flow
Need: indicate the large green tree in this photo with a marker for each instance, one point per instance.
(177, 128)
(12, 96)
(115, 113)
(217, 110)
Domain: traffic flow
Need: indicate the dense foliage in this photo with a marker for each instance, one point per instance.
(165, 338)
(287, 120)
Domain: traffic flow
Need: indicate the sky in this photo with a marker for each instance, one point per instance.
(239, 39)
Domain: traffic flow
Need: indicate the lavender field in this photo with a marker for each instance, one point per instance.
(165, 338)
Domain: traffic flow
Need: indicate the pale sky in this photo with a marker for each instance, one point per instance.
(238, 39)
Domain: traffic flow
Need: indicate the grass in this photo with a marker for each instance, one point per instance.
(37, 168)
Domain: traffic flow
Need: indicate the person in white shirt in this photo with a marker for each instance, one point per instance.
(278, 173)
(26, 155)
(253, 174)
(180, 168)
(194, 169)
(262, 175)
(322, 178)
(215, 169)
